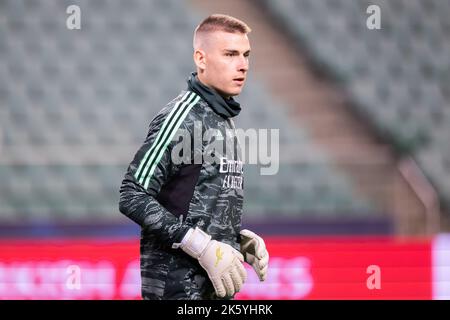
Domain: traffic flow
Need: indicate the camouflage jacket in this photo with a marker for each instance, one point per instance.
(187, 173)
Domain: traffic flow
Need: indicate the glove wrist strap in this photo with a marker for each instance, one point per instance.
(195, 242)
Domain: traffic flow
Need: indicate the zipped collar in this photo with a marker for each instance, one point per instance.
(226, 108)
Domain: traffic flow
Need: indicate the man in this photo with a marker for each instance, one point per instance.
(192, 245)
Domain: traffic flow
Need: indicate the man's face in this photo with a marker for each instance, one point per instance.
(225, 63)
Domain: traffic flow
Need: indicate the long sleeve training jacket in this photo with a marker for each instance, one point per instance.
(187, 173)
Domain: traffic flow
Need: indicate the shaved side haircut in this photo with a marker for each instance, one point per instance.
(219, 22)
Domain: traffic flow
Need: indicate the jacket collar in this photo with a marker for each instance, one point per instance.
(226, 108)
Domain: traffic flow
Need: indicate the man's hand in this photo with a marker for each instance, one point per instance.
(255, 253)
(221, 261)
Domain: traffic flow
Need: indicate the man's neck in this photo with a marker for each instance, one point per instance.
(203, 81)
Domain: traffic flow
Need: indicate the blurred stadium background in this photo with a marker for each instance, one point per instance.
(364, 119)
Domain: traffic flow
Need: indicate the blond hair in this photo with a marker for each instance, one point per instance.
(221, 22)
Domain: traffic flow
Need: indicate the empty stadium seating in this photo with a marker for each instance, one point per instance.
(90, 94)
(398, 77)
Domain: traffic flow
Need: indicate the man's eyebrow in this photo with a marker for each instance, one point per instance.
(230, 51)
(235, 51)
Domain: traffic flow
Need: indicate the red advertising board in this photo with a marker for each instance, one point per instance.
(69, 269)
(354, 268)
(300, 268)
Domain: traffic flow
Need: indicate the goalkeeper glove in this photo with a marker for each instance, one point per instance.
(222, 262)
(255, 253)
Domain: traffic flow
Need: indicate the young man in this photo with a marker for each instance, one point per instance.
(192, 245)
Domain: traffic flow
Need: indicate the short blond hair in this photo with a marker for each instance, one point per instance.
(221, 22)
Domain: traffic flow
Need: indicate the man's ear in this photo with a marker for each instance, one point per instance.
(200, 59)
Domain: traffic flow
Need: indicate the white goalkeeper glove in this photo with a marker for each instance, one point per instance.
(222, 262)
(255, 253)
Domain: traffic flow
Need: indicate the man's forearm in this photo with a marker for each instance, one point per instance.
(145, 210)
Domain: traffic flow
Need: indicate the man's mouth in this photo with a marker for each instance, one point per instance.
(239, 80)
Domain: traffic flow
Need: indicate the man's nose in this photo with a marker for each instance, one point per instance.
(243, 64)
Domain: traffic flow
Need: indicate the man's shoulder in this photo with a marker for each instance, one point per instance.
(183, 109)
(186, 102)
